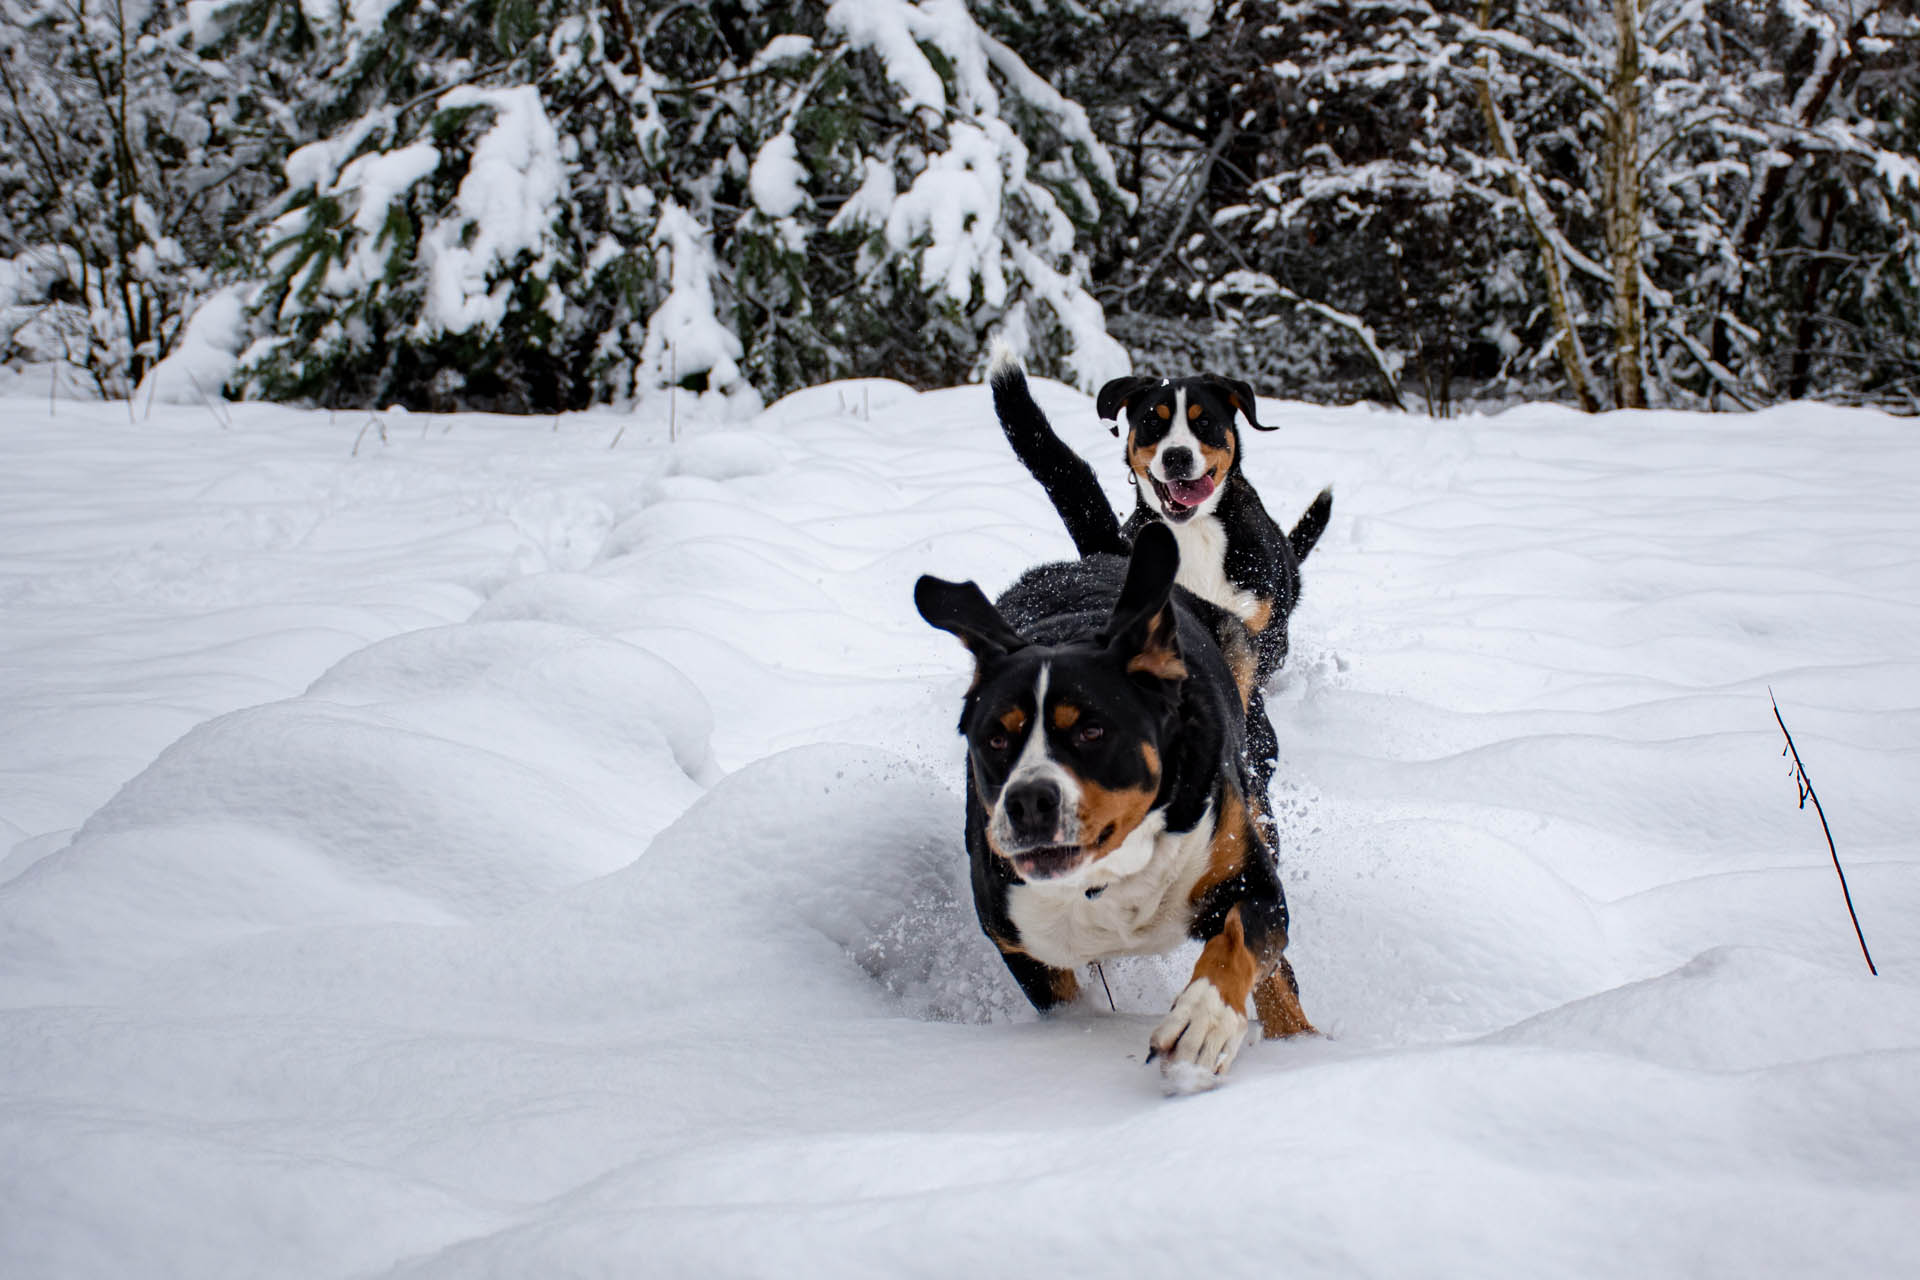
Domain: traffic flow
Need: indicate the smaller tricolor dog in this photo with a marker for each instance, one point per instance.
(1107, 806)
(1183, 450)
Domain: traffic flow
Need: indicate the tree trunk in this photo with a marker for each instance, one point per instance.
(1573, 356)
(1800, 376)
(1623, 211)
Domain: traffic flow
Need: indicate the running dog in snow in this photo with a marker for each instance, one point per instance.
(1183, 450)
(1107, 802)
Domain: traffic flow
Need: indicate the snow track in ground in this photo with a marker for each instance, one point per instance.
(451, 846)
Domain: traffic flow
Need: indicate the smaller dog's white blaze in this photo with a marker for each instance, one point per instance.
(1036, 763)
(1179, 436)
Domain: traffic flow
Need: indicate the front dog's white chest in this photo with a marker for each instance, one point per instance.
(1203, 565)
(1142, 913)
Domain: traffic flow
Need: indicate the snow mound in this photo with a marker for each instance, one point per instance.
(727, 455)
(809, 877)
(444, 774)
(1735, 1009)
(1428, 929)
(817, 883)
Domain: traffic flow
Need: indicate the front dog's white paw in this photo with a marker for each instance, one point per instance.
(1201, 1032)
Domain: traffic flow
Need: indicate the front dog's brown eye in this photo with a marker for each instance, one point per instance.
(998, 742)
(1090, 733)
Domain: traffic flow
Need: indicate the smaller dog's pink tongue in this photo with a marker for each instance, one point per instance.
(1191, 493)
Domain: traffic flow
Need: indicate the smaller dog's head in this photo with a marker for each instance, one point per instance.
(1182, 444)
(1066, 741)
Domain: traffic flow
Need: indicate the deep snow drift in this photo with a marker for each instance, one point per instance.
(453, 846)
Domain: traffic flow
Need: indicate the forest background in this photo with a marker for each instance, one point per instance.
(537, 205)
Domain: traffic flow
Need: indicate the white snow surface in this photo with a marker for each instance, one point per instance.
(451, 846)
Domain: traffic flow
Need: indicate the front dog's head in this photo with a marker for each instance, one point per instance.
(1066, 742)
(1182, 441)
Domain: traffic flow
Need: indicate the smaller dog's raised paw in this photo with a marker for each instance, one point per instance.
(1201, 1033)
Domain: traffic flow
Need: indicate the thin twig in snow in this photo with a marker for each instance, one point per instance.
(1806, 794)
(1103, 982)
(373, 421)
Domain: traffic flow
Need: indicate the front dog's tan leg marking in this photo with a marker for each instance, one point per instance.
(1066, 987)
(1227, 962)
(1208, 1021)
(1278, 1005)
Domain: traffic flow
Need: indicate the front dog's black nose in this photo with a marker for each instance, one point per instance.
(1033, 810)
(1177, 462)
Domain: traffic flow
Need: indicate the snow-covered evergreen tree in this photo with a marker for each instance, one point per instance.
(563, 204)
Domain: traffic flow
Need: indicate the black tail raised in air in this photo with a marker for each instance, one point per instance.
(1064, 474)
(1312, 523)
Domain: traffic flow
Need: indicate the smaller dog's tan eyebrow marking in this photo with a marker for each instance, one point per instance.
(1065, 715)
(1013, 719)
(1193, 411)
(1165, 413)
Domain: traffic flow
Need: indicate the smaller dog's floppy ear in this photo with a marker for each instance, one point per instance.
(963, 609)
(1114, 396)
(1240, 396)
(1143, 628)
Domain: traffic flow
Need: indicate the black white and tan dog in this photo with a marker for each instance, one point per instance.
(1107, 803)
(1183, 451)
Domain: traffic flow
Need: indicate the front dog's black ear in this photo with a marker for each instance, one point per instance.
(1143, 628)
(1114, 396)
(963, 609)
(1240, 395)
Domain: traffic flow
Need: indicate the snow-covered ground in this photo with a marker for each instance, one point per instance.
(455, 846)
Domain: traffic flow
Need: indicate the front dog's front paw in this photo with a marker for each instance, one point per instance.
(1197, 1041)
